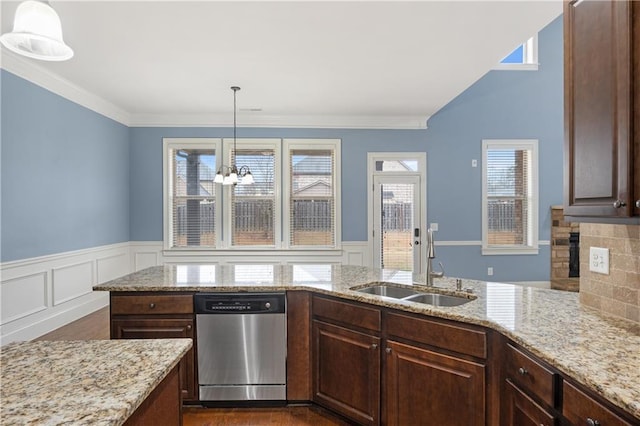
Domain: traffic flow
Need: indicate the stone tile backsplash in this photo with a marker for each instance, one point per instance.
(619, 292)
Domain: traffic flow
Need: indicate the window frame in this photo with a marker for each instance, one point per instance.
(533, 247)
(227, 226)
(529, 54)
(167, 187)
(223, 149)
(311, 144)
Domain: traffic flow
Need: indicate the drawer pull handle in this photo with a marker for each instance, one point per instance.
(522, 371)
(591, 422)
(152, 305)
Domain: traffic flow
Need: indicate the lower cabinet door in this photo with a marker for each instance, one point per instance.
(428, 388)
(163, 328)
(346, 376)
(521, 410)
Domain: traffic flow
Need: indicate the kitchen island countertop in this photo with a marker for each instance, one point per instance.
(94, 382)
(602, 353)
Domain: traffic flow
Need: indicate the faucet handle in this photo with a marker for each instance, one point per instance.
(438, 274)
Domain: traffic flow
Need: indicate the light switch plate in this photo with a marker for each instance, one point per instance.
(599, 260)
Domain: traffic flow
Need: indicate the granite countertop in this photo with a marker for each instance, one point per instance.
(600, 352)
(94, 382)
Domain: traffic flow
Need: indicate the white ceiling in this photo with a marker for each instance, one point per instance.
(323, 63)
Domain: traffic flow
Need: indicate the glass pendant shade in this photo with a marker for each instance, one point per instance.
(37, 33)
(247, 179)
(219, 178)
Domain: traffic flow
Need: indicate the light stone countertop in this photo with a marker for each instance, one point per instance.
(600, 352)
(93, 382)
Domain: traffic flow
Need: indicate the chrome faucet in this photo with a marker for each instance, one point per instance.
(431, 254)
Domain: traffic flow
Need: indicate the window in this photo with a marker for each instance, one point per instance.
(255, 209)
(312, 183)
(510, 197)
(190, 194)
(524, 57)
(298, 208)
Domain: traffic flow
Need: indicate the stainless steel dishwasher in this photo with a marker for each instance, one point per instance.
(242, 346)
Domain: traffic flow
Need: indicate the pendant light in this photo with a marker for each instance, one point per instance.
(37, 33)
(234, 174)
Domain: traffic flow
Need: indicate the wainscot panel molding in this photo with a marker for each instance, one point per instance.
(41, 294)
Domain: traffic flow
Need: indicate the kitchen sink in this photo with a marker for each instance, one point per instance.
(437, 299)
(413, 295)
(389, 291)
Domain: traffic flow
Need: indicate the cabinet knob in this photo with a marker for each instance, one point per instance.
(374, 345)
(388, 350)
(619, 203)
(522, 371)
(592, 422)
(189, 327)
(638, 204)
(152, 305)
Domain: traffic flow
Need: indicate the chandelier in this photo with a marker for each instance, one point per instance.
(232, 175)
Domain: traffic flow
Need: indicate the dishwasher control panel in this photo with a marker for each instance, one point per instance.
(246, 303)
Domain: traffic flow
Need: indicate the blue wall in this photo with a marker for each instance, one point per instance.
(501, 105)
(65, 174)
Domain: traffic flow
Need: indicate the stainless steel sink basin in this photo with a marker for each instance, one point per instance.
(437, 299)
(413, 295)
(388, 291)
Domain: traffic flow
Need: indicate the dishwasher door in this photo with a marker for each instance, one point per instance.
(241, 356)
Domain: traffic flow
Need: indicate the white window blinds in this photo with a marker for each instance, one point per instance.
(510, 190)
(312, 201)
(253, 206)
(193, 197)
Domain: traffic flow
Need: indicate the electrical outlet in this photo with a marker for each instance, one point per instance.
(599, 260)
(490, 270)
(474, 163)
(434, 226)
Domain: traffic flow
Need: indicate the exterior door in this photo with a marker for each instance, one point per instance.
(397, 222)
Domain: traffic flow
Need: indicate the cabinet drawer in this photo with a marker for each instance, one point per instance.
(453, 337)
(150, 304)
(578, 408)
(347, 313)
(530, 375)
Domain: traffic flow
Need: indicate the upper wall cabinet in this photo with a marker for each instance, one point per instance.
(602, 110)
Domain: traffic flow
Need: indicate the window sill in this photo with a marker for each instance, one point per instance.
(506, 251)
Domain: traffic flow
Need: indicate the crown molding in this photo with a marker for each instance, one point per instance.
(52, 82)
(281, 121)
(44, 78)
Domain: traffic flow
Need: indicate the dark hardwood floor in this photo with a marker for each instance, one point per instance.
(96, 326)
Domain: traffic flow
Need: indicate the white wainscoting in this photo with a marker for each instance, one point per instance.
(41, 294)
(38, 295)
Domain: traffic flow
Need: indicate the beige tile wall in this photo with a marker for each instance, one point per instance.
(619, 292)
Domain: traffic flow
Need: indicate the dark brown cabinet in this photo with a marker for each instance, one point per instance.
(521, 410)
(426, 387)
(346, 359)
(581, 409)
(435, 372)
(347, 365)
(158, 316)
(602, 109)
